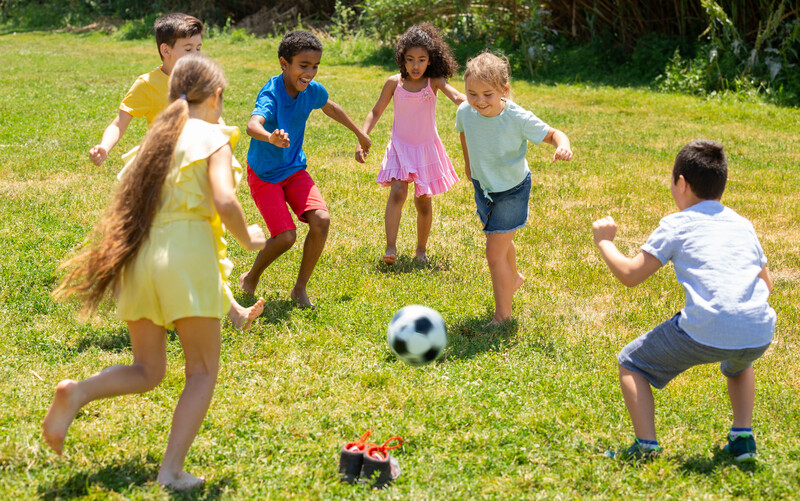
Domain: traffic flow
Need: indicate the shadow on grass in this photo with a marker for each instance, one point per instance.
(124, 477)
(704, 465)
(409, 264)
(470, 336)
(115, 341)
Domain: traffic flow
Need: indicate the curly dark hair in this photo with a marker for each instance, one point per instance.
(427, 36)
(296, 42)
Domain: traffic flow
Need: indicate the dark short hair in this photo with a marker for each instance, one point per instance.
(174, 26)
(296, 42)
(703, 165)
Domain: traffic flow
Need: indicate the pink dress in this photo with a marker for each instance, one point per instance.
(415, 153)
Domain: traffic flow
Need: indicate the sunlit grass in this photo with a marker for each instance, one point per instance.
(519, 413)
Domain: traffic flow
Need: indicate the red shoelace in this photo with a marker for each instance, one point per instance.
(379, 451)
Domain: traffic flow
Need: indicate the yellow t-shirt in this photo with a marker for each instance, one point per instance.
(148, 96)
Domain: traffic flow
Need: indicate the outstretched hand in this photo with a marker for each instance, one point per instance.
(604, 229)
(257, 238)
(361, 154)
(562, 153)
(364, 142)
(98, 155)
(279, 138)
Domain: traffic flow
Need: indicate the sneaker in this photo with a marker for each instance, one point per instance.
(636, 452)
(743, 448)
(380, 467)
(351, 458)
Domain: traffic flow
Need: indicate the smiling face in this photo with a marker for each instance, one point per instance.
(298, 73)
(484, 97)
(416, 61)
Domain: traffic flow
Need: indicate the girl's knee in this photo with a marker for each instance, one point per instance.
(398, 193)
(423, 205)
(152, 374)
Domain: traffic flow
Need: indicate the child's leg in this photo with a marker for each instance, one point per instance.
(394, 210)
(742, 392)
(200, 340)
(276, 246)
(512, 262)
(318, 224)
(639, 401)
(424, 205)
(148, 343)
(504, 279)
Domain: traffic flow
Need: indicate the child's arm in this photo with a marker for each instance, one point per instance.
(630, 271)
(561, 142)
(336, 112)
(375, 113)
(448, 90)
(765, 276)
(223, 192)
(111, 137)
(256, 130)
(466, 155)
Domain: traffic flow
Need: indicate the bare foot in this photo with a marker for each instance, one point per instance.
(300, 297)
(520, 281)
(422, 257)
(497, 321)
(180, 482)
(243, 317)
(389, 259)
(65, 406)
(248, 288)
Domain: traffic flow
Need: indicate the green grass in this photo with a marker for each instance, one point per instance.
(521, 413)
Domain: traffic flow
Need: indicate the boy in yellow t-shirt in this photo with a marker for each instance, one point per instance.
(176, 35)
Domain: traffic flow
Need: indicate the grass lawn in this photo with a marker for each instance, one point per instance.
(525, 412)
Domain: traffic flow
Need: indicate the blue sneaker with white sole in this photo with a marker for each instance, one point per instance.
(742, 448)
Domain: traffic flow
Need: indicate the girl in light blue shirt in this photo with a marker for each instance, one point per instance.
(494, 137)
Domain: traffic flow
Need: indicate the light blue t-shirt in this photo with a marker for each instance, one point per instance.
(717, 259)
(281, 111)
(497, 145)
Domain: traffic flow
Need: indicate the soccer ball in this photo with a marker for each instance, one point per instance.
(417, 334)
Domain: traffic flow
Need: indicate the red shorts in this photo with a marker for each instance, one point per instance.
(297, 190)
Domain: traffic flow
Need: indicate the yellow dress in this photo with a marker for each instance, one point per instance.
(182, 269)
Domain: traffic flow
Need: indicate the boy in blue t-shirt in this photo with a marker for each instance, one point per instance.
(720, 264)
(277, 165)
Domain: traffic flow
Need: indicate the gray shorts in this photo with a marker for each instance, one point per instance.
(667, 350)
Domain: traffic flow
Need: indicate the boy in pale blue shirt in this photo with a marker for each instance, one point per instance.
(720, 264)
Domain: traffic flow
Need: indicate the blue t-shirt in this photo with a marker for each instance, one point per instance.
(717, 259)
(281, 111)
(497, 145)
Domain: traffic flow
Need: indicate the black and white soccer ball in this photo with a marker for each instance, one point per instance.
(417, 334)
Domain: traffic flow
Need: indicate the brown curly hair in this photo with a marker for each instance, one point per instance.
(116, 239)
(427, 36)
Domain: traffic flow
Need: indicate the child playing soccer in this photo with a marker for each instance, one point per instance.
(177, 35)
(159, 247)
(494, 137)
(415, 153)
(720, 264)
(277, 172)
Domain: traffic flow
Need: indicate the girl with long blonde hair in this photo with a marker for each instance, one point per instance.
(159, 249)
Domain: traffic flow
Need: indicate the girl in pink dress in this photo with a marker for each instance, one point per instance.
(415, 154)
